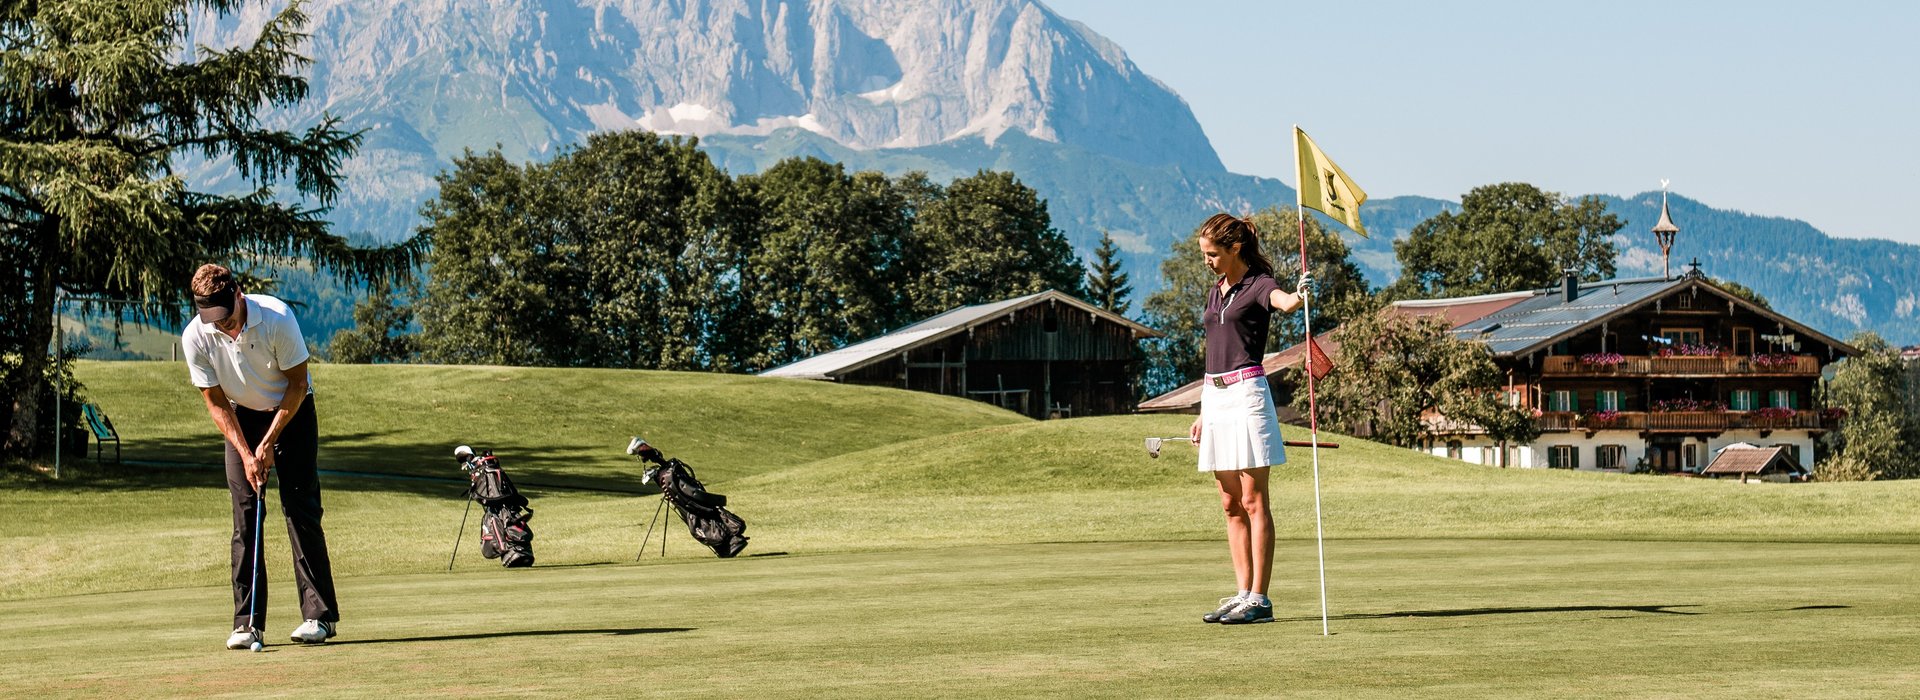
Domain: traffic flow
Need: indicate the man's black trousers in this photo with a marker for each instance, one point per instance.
(299, 481)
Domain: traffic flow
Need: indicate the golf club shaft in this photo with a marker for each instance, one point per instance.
(1306, 443)
(259, 523)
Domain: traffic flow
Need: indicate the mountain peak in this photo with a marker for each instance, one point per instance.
(533, 75)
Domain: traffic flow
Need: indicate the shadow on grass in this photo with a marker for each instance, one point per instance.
(520, 633)
(348, 462)
(1468, 612)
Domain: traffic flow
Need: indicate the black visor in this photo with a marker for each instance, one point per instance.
(215, 307)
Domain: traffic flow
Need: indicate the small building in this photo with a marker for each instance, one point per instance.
(1048, 354)
(1748, 463)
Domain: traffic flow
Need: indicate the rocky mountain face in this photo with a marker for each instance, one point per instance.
(431, 78)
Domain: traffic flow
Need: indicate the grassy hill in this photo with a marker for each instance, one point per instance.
(550, 426)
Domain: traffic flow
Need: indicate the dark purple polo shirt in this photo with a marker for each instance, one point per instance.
(1237, 322)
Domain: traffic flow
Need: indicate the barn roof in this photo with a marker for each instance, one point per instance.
(828, 365)
(1750, 460)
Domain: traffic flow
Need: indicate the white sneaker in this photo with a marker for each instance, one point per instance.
(313, 632)
(243, 638)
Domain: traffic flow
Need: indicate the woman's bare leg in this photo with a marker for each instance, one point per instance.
(1251, 492)
(1238, 535)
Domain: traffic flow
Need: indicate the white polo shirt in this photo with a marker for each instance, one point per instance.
(249, 368)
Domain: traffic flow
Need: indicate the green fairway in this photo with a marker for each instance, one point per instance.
(1410, 618)
(912, 545)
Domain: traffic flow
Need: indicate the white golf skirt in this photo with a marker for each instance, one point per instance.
(1239, 428)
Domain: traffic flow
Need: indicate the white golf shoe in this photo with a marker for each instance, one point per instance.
(313, 632)
(243, 638)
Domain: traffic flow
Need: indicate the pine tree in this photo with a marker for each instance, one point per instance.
(97, 115)
(1106, 284)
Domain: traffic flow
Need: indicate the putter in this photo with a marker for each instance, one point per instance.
(253, 592)
(1154, 443)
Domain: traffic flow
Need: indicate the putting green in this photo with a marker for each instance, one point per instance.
(1410, 618)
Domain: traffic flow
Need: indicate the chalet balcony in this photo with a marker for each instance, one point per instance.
(1684, 366)
(1686, 421)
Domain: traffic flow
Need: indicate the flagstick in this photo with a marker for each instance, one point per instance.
(1313, 412)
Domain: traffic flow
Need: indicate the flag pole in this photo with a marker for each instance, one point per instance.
(1313, 412)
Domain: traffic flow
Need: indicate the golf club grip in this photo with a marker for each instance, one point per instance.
(1303, 443)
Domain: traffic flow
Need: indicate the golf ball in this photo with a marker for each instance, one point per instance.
(256, 646)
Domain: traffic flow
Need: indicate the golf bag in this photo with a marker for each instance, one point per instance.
(705, 513)
(504, 533)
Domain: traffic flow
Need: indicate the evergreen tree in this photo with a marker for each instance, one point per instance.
(1106, 284)
(97, 113)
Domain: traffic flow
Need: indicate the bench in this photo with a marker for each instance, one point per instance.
(103, 431)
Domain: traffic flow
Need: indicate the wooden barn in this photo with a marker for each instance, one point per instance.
(1043, 355)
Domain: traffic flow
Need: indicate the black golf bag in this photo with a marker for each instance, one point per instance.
(504, 533)
(705, 514)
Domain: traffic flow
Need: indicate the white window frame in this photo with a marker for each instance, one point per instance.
(1560, 400)
(1606, 400)
(1742, 400)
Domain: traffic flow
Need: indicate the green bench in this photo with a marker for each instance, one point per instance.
(103, 431)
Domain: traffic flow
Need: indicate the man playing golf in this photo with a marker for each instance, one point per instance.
(1238, 431)
(246, 355)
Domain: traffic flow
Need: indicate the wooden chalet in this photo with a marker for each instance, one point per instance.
(1044, 355)
(1648, 375)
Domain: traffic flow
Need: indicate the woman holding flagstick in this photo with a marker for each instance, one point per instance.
(1238, 431)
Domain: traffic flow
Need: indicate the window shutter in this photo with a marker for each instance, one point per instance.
(1793, 400)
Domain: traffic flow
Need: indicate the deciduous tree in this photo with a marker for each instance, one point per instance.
(1880, 435)
(1393, 367)
(1506, 237)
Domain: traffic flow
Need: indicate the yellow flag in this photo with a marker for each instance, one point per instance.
(1324, 186)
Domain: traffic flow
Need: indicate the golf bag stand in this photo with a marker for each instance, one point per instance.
(705, 514)
(650, 523)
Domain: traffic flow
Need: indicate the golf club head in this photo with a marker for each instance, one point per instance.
(639, 443)
(462, 453)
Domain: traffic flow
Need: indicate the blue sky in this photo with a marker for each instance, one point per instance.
(1802, 110)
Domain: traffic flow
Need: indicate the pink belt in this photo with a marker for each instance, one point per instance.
(1222, 381)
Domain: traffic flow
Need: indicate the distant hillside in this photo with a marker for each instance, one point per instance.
(1837, 285)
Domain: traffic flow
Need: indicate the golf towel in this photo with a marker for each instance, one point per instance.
(1239, 428)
